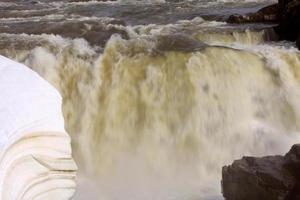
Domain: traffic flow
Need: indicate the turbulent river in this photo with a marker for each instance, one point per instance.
(159, 95)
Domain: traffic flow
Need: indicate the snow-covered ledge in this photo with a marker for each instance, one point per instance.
(35, 150)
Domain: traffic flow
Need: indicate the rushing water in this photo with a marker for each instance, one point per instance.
(159, 95)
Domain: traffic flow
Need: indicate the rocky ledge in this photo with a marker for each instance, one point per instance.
(265, 178)
(286, 13)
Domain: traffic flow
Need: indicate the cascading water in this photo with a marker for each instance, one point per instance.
(156, 116)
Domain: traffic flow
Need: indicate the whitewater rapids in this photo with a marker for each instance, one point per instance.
(151, 122)
(157, 95)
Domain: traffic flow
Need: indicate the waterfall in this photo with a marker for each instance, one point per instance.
(158, 124)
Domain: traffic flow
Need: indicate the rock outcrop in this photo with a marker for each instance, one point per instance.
(289, 22)
(266, 178)
(286, 13)
(266, 14)
(35, 151)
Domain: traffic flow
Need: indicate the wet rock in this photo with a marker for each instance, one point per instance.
(266, 14)
(286, 13)
(289, 25)
(267, 178)
(292, 161)
(95, 32)
(298, 42)
(179, 42)
(257, 178)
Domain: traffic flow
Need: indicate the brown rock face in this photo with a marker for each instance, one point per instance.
(266, 14)
(289, 25)
(266, 178)
(286, 13)
(298, 42)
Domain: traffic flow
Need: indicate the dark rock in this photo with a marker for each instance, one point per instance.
(298, 42)
(266, 14)
(257, 178)
(292, 161)
(95, 32)
(178, 42)
(286, 13)
(266, 178)
(289, 26)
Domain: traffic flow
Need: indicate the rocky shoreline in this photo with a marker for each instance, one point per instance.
(286, 13)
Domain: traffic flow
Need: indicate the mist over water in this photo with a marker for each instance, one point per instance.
(158, 96)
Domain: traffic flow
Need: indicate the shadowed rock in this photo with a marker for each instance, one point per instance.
(266, 178)
(179, 42)
(266, 14)
(292, 161)
(286, 13)
(298, 42)
(289, 26)
(96, 33)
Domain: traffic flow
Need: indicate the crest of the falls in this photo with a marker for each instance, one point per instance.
(158, 124)
(35, 150)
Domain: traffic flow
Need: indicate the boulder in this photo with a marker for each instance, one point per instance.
(292, 161)
(289, 24)
(266, 14)
(267, 178)
(298, 42)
